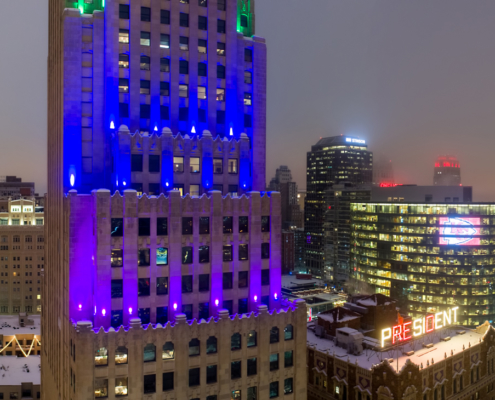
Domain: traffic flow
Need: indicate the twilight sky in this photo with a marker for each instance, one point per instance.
(413, 78)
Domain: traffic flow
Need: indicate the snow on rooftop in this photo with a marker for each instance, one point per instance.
(291, 281)
(14, 370)
(9, 325)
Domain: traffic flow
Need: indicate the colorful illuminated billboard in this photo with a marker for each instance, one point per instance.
(456, 231)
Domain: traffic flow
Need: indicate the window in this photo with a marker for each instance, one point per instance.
(149, 352)
(165, 65)
(144, 111)
(121, 355)
(288, 359)
(150, 383)
(117, 318)
(227, 280)
(116, 258)
(252, 366)
(203, 3)
(228, 305)
(117, 288)
(101, 356)
(143, 257)
(235, 370)
(203, 311)
(101, 389)
(244, 21)
(145, 14)
(242, 306)
(162, 315)
(265, 224)
(187, 284)
(194, 347)
(248, 77)
(123, 85)
(235, 342)
(222, 5)
(288, 386)
(164, 41)
(243, 252)
(168, 381)
(248, 121)
(123, 36)
(117, 227)
(164, 112)
(232, 166)
(211, 374)
(252, 393)
(289, 332)
(194, 377)
(227, 225)
(165, 17)
(144, 226)
(265, 277)
(204, 225)
(183, 67)
(220, 48)
(220, 71)
(248, 55)
(202, 23)
(162, 285)
(204, 254)
(227, 252)
(145, 39)
(143, 287)
(184, 92)
(221, 26)
(187, 309)
(220, 117)
(144, 87)
(178, 164)
(144, 315)
(220, 94)
(161, 227)
(273, 389)
(123, 11)
(273, 362)
(124, 61)
(274, 334)
(248, 99)
(154, 163)
(265, 250)
(218, 188)
(202, 69)
(204, 282)
(243, 279)
(168, 351)
(187, 225)
(194, 165)
(243, 224)
(201, 92)
(217, 166)
(211, 345)
(180, 188)
(184, 20)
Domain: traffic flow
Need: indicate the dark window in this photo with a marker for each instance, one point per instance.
(144, 111)
(204, 254)
(188, 310)
(211, 345)
(123, 85)
(144, 315)
(222, 5)
(265, 300)
(162, 285)
(221, 26)
(211, 374)
(248, 77)
(161, 227)
(227, 225)
(183, 113)
(162, 315)
(218, 188)
(274, 333)
(204, 311)
(204, 282)
(164, 112)
(288, 386)
(164, 88)
(228, 305)
(265, 277)
(165, 64)
(116, 259)
(168, 381)
(194, 347)
(248, 121)
(289, 332)
(252, 366)
(183, 67)
(194, 377)
(273, 362)
(123, 11)
(202, 69)
(165, 17)
(145, 14)
(117, 318)
(243, 306)
(154, 189)
(204, 225)
(220, 117)
(154, 163)
(265, 224)
(143, 287)
(235, 370)
(248, 55)
(227, 252)
(184, 43)
(203, 3)
(117, 288)
(144, 226)
(144, 87)
(124, 110)
(184, 20)
(244, 21)
(243, 224)
(149, 383)
(227, 280)
(243, 252)
(233, 189)
(201, 115)
(235, 342)
(220, 71)
(143, 257)
(187, 225)
(288, 359)
(202, 23)
(252, 339)
(187, 283)
(265, 250)
(136, 162)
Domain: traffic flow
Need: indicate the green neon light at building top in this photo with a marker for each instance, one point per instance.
(86, 6)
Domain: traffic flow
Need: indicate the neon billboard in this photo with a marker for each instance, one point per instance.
(405, 331)
(456, 231)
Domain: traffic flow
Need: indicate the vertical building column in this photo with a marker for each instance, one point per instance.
(193, 66)
(155, 53)
(135, 64)
(130, 250)
(123, 158)
(167, 173)
(275, 250)
(207, 161)
(111, 66)
(153, 268)
(175, 254)
(84, 341)
(216, 251)
(245, 181)
(212, 66)
(186, 176)
(232, 85)
(174, 64)
(254, 250)
(300, 350)
(146, 164)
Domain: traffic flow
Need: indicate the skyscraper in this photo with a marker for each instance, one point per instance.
(332, 160)
(447, 171)
(145, 97)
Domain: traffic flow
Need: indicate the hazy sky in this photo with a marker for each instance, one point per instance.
(414, 78)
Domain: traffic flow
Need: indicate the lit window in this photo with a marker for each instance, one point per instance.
(124, 61)
(145, 39)
(121, 355)
(168, 352)
(202, 43)
(232, 166)
(121, 386)
(217, 166)
(101, 388)
(124, 85)
(149, 352)
(248, 99)
(184, 43)
(220, 94)
(144, 87)
(201, 92)
(145, 63)
(194, 190)
(101, 356)
(220, 49)
(164, 41)
(178, 164)
(183, 91)
(194, 165)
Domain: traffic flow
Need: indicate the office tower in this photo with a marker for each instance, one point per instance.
(22, 252)
(447, 171)
(427, 256)
(383, 172)
(161, 95)
(288, 251)
(291, 213)
(15, 188)
(420, 194)
(331, 161)
(282, 175)
(299, 250)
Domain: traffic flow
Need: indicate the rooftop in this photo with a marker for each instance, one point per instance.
(338, 141)
(9, 325)
(291, 282)
(17, 370)
(338, 314)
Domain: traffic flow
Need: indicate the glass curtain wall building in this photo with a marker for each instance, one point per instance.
(429, 256)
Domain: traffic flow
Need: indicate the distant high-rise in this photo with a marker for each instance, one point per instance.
(332, 160)
(447, 171)
(282, 175)
(383, 172)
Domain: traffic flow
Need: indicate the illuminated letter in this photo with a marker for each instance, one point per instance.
(418, 327)
(455, 313)
(405, 329)
(437, 320)
(447, 318)
(432, 319)
(396, 333)
(386, 334)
